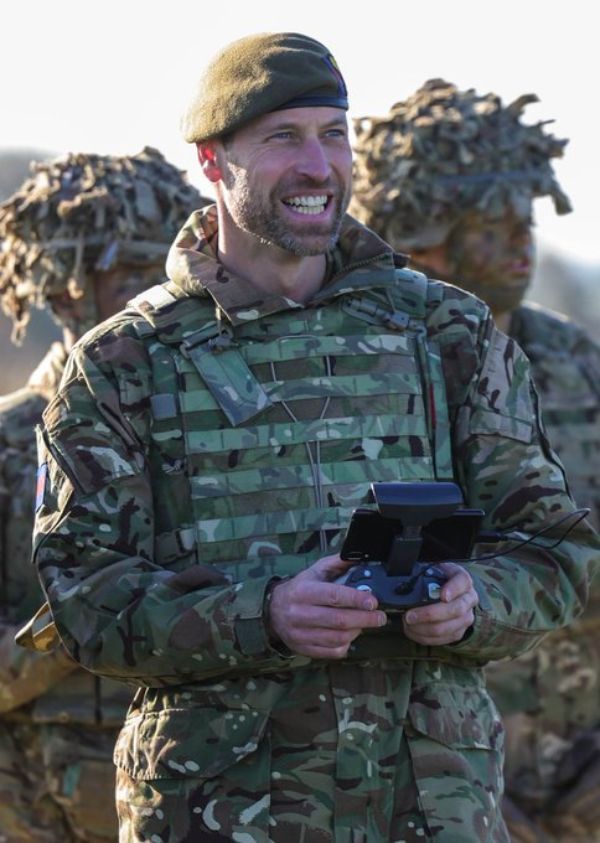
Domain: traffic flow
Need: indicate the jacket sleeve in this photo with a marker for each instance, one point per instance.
(24, 675)
(507, 468)
(118, 612)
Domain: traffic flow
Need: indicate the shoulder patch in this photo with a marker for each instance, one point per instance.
(40, 488)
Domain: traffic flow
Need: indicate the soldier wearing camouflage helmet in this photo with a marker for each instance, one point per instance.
(201, 462)
(451, 176)
(82, 235)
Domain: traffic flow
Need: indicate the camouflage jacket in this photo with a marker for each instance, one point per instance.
(26, 676)
(565, 367)
(23, 675)
(551, 697)
(168, 510)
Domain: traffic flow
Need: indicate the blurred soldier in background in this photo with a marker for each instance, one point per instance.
(84, 234)
(450, 177)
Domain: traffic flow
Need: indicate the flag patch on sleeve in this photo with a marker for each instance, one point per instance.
(42, 474)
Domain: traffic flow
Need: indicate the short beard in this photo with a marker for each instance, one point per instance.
(259, 220)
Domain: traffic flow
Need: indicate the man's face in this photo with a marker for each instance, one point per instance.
(113, 289)
(111, 292)
(492, 257)
(286, 178)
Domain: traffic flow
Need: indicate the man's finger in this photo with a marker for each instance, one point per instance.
(335, 595)
(459, 581)
(316, 617)
(440, 612)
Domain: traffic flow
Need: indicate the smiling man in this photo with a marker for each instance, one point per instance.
(202, 462)
(451, 176)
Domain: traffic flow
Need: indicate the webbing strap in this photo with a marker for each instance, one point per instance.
(436, 407)
(172, 545)
(229, 380)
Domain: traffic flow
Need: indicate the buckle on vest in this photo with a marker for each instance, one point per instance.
(374, 314)
(397, 320)
(213, 337)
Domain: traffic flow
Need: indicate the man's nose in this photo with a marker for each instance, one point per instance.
(313, 160)
(522, 236)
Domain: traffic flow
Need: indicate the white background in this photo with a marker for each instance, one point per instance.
(113, 76)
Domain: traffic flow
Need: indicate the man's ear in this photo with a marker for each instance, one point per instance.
(207, 156)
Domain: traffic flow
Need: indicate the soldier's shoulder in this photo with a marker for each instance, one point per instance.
(159, 311)
(452, 310)
(533, 324)
(444, 305)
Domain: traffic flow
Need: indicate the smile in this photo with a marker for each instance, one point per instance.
(311, 205)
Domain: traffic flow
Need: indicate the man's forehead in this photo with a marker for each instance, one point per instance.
(318, 115)
(505, 216)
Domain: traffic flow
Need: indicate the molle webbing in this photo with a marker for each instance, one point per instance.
(332, 402)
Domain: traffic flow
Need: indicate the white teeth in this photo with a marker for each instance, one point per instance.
(307, 204)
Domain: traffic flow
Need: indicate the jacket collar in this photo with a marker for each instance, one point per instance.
(193, 266)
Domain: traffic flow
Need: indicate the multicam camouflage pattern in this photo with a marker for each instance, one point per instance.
(438, 159)
(74, 221)
(73, 801)
(25, 815)
(442, 152)
(551, 698)
(565, 365)
(81, 215)
(165, 518)
(20, 412)
(58, 723)
(358, 750)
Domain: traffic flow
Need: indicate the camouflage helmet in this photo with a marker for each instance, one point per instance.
(443, 152)
(85, 214)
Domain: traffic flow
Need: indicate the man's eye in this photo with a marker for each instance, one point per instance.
(280, 136)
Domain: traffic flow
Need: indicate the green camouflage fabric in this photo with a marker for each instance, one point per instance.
(565, 365)
(58, 723)
(23, 675)
(550, 698)
(438, 157)
(71, 223)
(442, 152)
(84, 214)
(175, 494)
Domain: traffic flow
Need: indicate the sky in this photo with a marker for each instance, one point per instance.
(115, 76)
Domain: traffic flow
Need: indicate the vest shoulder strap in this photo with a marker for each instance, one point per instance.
(172, 316)
(410, 292)
(210, 348)
(417, 294)
(399, 307)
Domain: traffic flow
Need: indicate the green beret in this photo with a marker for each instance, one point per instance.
(259, 74)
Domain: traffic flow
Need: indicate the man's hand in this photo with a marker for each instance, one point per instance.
(318, 618)
(447, 621)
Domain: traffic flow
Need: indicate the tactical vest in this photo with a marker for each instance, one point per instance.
(266, 435)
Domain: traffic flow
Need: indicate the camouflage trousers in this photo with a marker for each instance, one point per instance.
(56, 784)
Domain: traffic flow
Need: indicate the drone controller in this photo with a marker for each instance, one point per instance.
(396, 546)
(397, 594)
